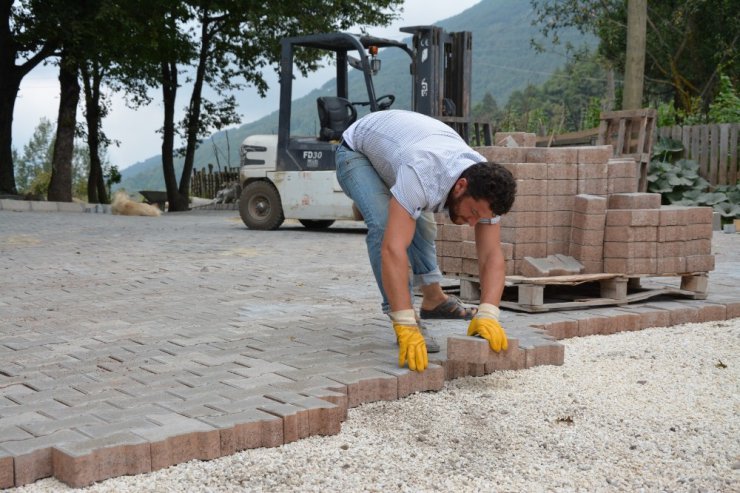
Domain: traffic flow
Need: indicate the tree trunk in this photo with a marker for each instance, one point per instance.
(8, 95)
(634, 68)
(193, 115)
(60, 187)
(11, 76)
(169, 95)
(610, 96)
(96, 191)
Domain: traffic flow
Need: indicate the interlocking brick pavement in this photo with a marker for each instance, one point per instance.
(128, 344)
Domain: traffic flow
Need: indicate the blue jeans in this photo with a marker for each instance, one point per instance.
(371, 195)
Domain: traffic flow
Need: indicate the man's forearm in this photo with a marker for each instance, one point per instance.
(492, 279)
(396, 278)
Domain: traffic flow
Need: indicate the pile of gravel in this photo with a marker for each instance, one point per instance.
(652, 410)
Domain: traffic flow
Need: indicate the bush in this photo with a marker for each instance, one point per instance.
(679, 182)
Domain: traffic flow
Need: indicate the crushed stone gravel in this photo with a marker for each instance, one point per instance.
(654, 410)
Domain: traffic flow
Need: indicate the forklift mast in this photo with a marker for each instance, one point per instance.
(442, 71)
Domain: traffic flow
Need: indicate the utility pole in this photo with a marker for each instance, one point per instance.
(634, 66)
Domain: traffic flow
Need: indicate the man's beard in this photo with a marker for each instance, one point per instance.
(453, 205)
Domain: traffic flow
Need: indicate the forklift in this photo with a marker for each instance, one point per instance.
(288, 176)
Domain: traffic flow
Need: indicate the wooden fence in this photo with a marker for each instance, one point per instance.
(206, 183)
(714, 147)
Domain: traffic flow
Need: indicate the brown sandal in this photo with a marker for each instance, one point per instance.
(451, 308)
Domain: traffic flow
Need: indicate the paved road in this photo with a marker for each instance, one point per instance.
(152, 341)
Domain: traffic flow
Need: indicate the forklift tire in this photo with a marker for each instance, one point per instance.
(316, 223)
(260, 206)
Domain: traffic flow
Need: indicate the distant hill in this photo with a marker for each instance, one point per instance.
(503, 62)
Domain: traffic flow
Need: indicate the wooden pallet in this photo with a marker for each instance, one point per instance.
(542, 294)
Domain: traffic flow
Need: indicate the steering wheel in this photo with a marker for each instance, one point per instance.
(386, 104)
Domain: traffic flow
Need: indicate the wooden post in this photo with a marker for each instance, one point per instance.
(531, 294)
(469, 291)
(698, 283)
(615, 289)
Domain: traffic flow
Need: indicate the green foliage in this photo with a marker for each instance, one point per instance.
(687, 42)
(679, 181)
(667, 116)
(35, 159)
(569, 100)
(39, 184)
(503, 62)
(726, 106)
(33, 166)
(112, 177)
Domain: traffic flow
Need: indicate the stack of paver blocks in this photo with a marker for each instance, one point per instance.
(587, 234)
(641, 237)
(581, 202)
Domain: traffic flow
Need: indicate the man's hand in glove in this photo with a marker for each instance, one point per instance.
(411, 345)
(485, 324)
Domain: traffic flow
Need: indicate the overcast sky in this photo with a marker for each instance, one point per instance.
(136, 129)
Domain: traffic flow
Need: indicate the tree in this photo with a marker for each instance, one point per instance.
(230, 39)
(563, 103)
(36, 156)
(487, 109)
(726, 106)
(25, 42)
(634, 65)
(688, 42)
(33, 166)
(117, 61)
(92, 74)
(60, 185)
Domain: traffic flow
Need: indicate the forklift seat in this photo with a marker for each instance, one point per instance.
(335, 115)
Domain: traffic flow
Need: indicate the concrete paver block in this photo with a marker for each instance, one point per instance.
(679, 313)
(592, 325)
(324, 418)
(468, 349)
(411, 382)
(32, 458)
(83, 463)
(455, 369)
(562, 329)
(709, 312)
(6, 470)
(635, 200)
(247, 429)
(552, 265)
(295, 420)
(367, 385)
(179, 439)
(551, 353)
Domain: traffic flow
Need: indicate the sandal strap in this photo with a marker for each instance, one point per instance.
(451, 308)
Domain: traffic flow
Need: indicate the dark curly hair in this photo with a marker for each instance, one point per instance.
(493, 183)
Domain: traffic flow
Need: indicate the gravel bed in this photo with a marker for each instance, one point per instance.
(655, 410)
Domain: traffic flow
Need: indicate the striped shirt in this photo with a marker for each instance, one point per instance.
(418, 157)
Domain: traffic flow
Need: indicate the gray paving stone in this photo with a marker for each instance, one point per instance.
(164, 333)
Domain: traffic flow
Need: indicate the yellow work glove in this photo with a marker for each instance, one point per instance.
(485, 324)
(411, 345)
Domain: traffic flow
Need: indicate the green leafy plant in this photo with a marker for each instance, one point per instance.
(679, 182)
(726, 106)
(672, 179)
